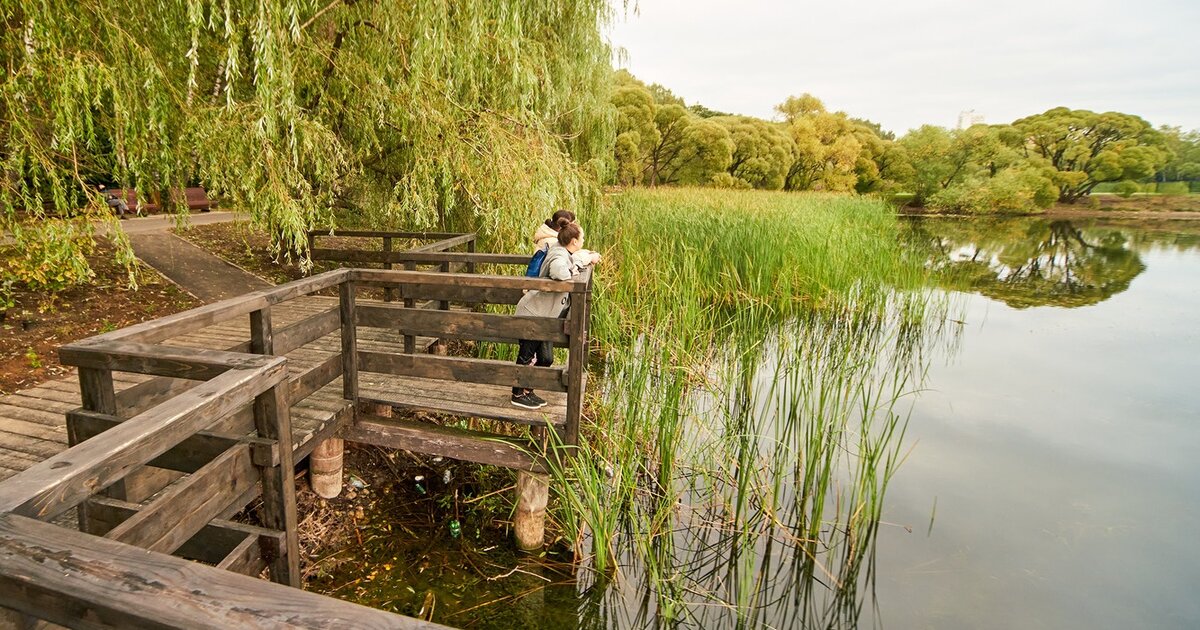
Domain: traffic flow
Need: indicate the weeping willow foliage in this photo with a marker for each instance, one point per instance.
(464, 114)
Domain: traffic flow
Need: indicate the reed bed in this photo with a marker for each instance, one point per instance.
(757, 351)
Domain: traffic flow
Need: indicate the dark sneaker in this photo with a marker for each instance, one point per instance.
(537, 399)
(526, 401)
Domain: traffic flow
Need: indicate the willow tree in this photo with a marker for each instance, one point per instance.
(456, 114)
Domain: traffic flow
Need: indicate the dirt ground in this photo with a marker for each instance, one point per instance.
(245, 246)
(38, 323)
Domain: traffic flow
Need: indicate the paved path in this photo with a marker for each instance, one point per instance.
(200, 273)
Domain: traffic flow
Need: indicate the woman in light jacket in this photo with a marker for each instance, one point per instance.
(558, 265)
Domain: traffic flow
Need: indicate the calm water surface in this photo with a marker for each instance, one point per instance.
(1056, 468)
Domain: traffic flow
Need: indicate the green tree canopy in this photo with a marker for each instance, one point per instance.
(419, 113)
(762, 151)
(1086, 148)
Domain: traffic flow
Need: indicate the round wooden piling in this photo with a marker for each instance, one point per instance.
(325, 468)
(529, 523)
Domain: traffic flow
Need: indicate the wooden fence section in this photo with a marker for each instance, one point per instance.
(157, 466)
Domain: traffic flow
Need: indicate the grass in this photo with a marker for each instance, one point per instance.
(758, 348)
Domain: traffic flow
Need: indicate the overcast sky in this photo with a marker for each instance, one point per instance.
(911, 62)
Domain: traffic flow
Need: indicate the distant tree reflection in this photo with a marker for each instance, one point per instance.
(1027, 263)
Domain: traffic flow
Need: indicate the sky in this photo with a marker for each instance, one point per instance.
(907, 63)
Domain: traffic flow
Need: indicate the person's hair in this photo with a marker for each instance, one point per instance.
(552, 222)
(568, 231)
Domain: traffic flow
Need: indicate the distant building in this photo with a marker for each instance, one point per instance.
(968, 118)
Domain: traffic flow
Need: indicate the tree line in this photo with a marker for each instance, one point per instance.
(1059, 155)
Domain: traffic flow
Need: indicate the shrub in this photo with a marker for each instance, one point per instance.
(50, 257)
(725, 180)
(1127, 188)
(1011, 191)
(1173, 188)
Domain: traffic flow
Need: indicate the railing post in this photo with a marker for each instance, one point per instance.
(389, 294)
(272, 419)
(410, 342)
(349, 343)
(471, 250)
(576, 361)
(261, 332)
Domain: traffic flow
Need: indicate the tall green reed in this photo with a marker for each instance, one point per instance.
(756, 348)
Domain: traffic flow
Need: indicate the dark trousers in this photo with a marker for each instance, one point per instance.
(527, 351)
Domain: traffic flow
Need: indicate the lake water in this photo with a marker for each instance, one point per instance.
(1057, 451)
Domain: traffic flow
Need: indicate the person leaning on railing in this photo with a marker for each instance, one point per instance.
(565, 258)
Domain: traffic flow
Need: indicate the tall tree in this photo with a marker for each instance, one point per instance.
(424, 113)
(1086, 148)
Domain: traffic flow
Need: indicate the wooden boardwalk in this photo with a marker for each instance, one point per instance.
(33, 420)
(176, 424)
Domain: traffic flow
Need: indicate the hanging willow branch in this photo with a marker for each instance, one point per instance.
(478, 114)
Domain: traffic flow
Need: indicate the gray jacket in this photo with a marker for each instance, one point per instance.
(558, 265)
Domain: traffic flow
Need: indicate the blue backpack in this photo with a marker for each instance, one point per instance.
(534, 270)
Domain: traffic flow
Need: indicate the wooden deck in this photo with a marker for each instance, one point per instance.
(175, 424)
(33, 421)
(33, 425)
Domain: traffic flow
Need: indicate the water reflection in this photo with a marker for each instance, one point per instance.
(1026, 263)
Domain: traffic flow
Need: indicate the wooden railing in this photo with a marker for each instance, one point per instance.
(158, 468)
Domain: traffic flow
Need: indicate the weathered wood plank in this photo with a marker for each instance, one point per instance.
(432, 439)
(379, 234)
(209, 314)
(446, 243)
(307, 330)
(159, 360)
(143, 396)
(211, 544)
(460, 325)
(420, 257)
(188, 456)
(60, 482)
(187, 506)
(575, 285)
(316, 378)
(245, 558)
(463, 369)
(78, 580)
(546, 416)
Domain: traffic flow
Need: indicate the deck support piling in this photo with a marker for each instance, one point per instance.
(529, 523)
(325, 468)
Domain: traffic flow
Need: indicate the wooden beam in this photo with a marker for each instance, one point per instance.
(188, 505)
(463, 369)
(73, 579)
(209, 314)
(311, 380)
(374, 234)
(306, 330)
(188, 456)
(460, 325)
(433, 439)
(60, 482)
(212, 544)
(577, 285)
(446, 243)
(159, 360)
